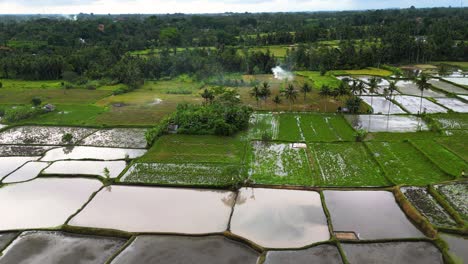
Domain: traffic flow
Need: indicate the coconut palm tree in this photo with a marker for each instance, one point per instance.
(277, 101)
(291, 94)
(391, 90)
(256, 93)
(373, 85)
(325, 92)
(422, 85)
(207, 95)
(306, 88)
(265, 91)
(360, 87)
(354, 87)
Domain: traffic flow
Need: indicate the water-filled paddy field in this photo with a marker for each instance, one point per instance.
(105, 198)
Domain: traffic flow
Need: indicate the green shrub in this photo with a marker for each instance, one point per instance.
(21, 112)
(36, 101)
(158, 130)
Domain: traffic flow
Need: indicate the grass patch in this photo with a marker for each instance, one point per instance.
(325, 128)
(54, 96)
(367, 71)
(456, 144)
(278, 50)
(443, 158)
(261, 123)
(195, 149)
(320, 80)
(289, 128)
(460, 64)
(276, 163)
(17, 85)
(72, 115)
(184, 174)
(347, 164)
(404, 164)
(452, 121)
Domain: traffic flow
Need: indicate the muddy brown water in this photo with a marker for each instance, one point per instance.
(60, 248)
(174, 250)
(370, 214)
(323, 254)
(276, 218)
(154, 209)
(393, 252)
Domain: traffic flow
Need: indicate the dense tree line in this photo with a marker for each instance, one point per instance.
(97, 46)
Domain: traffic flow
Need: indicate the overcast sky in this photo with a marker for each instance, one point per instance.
(204, 6)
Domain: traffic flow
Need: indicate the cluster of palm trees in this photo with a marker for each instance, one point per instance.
(346, 87)
(290, 93)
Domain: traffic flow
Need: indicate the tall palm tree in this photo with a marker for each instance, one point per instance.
(354, 87)
(373, 85)
(325, 92)
(265, 91)
(422, 85)
(306, 88)
(391, 90)
(360, 87)
(256, 93)
(291, 94)
(277, 101)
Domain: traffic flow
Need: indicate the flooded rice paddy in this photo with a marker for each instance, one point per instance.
(41, 203)
(98, 168)
(94, 153)
(447, 87)
(457, 80)
(457, 246)
(428, 206)
(412, 104)
(6, 238)
(380, 105)
(393, 252)
(281, 221)
(27, 172)
(42, 135)
(177, 249)
(118, 138)
(369, 214)
(453, 104)
(10, 164)
(279, 218)
(40, 247)
(384, 123)
(23, 150)
(323, 254)
(152, 209)
(457, 196)
(410, 88)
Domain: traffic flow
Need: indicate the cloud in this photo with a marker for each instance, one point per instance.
(202, 6)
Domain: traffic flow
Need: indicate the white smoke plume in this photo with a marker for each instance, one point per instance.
(282, 74)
